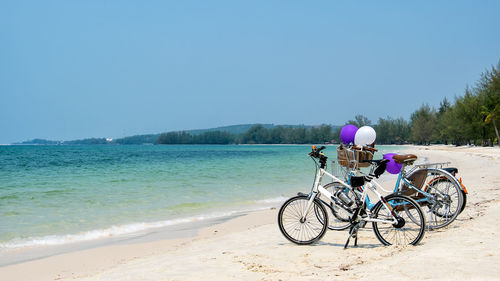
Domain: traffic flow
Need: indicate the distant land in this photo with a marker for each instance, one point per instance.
(152, 138)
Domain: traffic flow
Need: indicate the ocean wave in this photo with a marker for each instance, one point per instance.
(111, 232)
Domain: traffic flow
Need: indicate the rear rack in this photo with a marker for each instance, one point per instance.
(433, 165)
(438, 165)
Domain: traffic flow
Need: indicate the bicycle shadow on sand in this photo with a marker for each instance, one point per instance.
(351, 245)
(338, 245)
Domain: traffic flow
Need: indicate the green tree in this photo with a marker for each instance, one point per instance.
(174, 138)
(213, 137)
(392, 131)
(440, 133)
(468, 116)
(256, 134)
(423, 124)
(321, 134)
(448, 127)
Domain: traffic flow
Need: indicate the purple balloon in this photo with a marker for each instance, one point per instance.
(392, 166)
(347, 133)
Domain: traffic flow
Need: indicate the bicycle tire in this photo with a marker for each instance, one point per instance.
(407, 231)
(464, 202)
(296, 230)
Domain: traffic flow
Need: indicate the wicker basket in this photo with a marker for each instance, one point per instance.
(363, 155)
(353, 158)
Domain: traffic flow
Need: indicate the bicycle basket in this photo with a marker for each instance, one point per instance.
(362, 155)
(345, 157)
(353, 158)
(340, 171)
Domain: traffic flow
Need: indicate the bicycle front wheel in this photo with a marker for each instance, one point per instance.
(410, 226)
(299, 225)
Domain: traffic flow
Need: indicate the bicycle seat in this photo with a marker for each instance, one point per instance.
(404, 158)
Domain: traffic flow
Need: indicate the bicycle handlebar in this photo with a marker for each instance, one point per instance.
(316, 151)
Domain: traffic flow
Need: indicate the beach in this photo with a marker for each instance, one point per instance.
(251, 247)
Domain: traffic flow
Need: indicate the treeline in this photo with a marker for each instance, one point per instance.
(389, 131)
(90, 141)
(213, 137)
(138, 139)
(282, 135)
(257, 134)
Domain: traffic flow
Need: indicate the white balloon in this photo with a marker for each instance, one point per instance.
(364, 136)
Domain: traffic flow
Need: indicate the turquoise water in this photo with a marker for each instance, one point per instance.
(53, 195)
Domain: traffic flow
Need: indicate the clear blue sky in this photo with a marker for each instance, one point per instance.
(78, 69)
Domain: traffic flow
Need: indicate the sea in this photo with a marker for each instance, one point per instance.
(64, 194)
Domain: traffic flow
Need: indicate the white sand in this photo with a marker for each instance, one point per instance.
(252, 247)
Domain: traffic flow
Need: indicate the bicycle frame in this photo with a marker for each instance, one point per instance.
(318, 188)
(401, 178)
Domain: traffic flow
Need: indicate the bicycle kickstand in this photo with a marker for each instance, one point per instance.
(353, 232)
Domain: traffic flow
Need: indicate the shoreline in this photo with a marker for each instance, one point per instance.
(250, 246)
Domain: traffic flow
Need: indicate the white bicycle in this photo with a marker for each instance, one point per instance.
(396, 219)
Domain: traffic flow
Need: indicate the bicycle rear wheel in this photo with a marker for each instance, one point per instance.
(299, 227)
(448, 198)
(410, 228)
